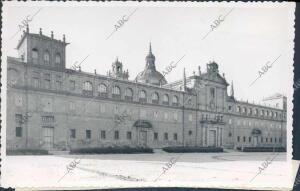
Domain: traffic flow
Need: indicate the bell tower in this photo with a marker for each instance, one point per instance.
(117, 70)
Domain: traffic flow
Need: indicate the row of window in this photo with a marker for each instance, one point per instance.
(255, 123)
(88, 135)
(256, 112)
(46, 57)
(261, 139)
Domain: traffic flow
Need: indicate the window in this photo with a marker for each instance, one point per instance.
(256, 111)
(129, 135)
(129, 94)
(155, 136)
(102, 135)
(175, 100)
(262, 139)
(166, 136)
(73, 133)
(47, 81)
(18, 131)
(116, 90)
(212, 92)
(36, 82)
(275, 140)
(244, 110)
(250, 111)
(166, 116)
(102, 108)
(72, 105)
(88, 134)
(266, 140)
(166, 99)
(143, 113)
(58, 82)
(72, 85)
(279, 139)
(249, 139)
(244, 139)
(116, 135)
(176, 116)
(271, 140)
(48, 119)
(238, 109)
(238, 139)
(46, 58)
(142, 96)
(229, 108)
(102, 88)
(190, 117)
(88, 86)
(175, 136)
(155, 98)
(35, 56)
(155, 114)
(275, 114)
(57, 59)
(229, 121)
(190, 132)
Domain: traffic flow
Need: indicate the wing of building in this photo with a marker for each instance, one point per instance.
(55, 108)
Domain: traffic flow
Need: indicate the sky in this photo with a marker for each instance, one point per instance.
(246, 39)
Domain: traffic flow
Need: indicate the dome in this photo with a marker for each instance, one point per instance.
(150, 75)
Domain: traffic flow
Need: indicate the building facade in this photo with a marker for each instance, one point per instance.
(52, 107)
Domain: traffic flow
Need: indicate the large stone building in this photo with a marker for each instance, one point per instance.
(55, 108)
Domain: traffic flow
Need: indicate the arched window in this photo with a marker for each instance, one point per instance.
(129, 94)
(238, 109)
(155, 98)
(166, 99)
(102, 90)
(46, 58)
(57, 59)
(35, 55)
(116, 90)
(175, 100)
(142, 96)
(88, 86)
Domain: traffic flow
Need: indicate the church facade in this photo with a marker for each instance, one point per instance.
(55, 108)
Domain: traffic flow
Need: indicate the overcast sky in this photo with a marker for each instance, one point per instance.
(246, 40)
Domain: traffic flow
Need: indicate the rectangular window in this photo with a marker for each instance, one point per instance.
(249, 139)
(18, 131)
(36, 82)
(73, 133)
(279, 140)
(47, 119)
(275, 139)
(47, 81)
(88, 134)
(271, 140)
(116, 134)
(262, 140)
(266, 140)
(212, 92)
(19, 117)
(238, 139)
(175, 136)
(166, 136)
(129, 135)
(155, 136)
(175, 116)
(102, 135)
(190, 117)
(229, 108)
(72, 85)
(58, 82)
(244, 139)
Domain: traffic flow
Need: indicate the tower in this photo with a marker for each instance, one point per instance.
(117, 70)
(39, 49)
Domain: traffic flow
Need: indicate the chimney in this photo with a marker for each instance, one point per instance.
(52, 34)
(41, 31)
(199, 70)
(27, 28)
(64, 38)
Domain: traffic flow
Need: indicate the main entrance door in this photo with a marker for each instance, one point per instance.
(143, 138)
(212, 141)
(47, 136)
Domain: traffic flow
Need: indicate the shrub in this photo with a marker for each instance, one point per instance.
(193, 149)
(111, 150)
(264, 149)
(27, 152)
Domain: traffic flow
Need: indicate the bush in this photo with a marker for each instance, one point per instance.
(264, 149)
(112, 150)
(193, 149)
(27, 152)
